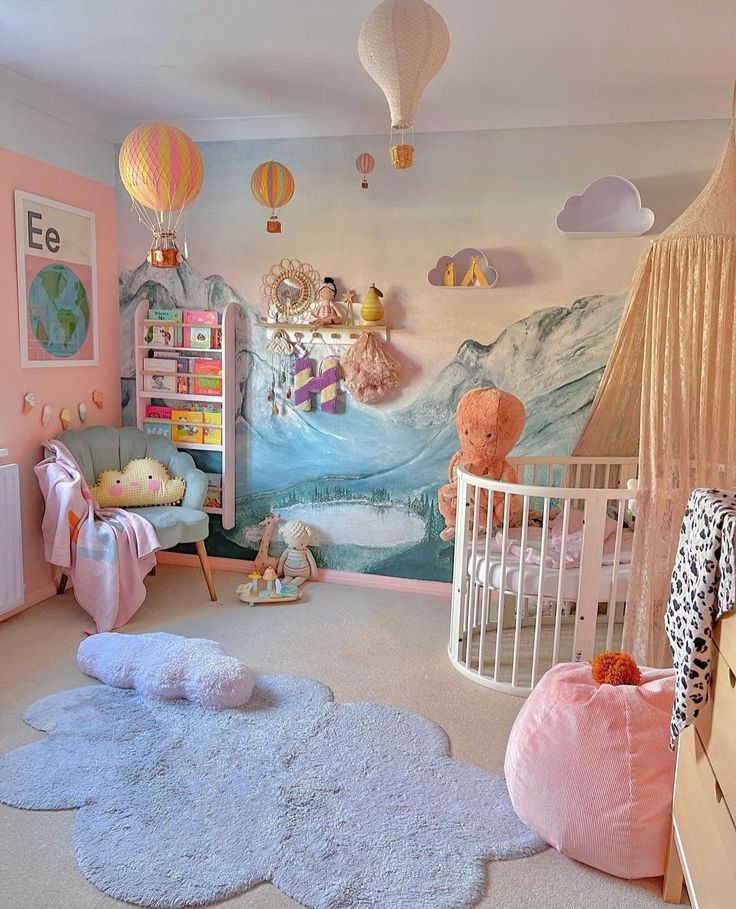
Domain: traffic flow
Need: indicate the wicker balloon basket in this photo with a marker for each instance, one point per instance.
(402, 156)
(164, 253)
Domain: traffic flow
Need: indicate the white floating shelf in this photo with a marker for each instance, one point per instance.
(337, 333)
(608, 207)
(468, 264)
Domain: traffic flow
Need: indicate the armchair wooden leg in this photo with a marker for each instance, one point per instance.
(63, 580)
(206, 570)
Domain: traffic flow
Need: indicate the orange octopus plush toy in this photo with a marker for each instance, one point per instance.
(489, 422)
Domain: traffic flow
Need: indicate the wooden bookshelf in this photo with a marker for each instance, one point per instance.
(145, 363)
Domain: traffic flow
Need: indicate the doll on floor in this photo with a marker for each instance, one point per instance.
(296, 564)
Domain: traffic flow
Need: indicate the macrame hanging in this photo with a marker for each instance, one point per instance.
(669, 389)
(369, 371)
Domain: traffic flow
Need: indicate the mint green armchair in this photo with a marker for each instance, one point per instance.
(99, 448)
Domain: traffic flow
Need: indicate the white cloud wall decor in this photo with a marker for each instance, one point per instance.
(608, 207)
(468, 268)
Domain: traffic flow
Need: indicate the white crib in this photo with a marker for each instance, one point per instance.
(550, 590)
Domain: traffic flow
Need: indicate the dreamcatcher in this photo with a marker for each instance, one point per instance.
(280, 349)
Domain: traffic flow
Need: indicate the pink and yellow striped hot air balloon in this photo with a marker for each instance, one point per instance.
(273, 185)
(162, 170)
(365, 164)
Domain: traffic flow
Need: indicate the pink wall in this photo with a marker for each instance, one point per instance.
(23, 434)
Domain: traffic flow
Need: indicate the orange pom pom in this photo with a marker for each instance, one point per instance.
(614, 667)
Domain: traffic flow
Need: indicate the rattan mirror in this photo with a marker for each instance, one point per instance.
(289, 288)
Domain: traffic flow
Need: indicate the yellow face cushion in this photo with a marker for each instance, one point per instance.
(141, 482)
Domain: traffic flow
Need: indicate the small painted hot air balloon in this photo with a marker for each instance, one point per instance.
(162, 170)
(273, 185)
(365, 164)
(402, 46)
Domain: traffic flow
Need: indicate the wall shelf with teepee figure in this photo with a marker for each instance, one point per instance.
(468, 269)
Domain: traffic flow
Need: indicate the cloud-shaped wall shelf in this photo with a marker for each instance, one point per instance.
(608, 207)
(468, 269)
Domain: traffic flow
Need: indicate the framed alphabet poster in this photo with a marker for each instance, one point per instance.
(57, 283)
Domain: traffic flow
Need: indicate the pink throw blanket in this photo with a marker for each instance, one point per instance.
(107, 551)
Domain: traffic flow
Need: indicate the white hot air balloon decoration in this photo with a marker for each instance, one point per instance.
(402, 47)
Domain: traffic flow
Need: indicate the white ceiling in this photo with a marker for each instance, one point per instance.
(225, 69)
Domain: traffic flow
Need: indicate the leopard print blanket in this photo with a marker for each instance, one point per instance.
(703, 589)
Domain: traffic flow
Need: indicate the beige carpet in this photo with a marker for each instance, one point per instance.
(366, 645)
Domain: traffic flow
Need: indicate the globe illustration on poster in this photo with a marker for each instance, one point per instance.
(58, 310)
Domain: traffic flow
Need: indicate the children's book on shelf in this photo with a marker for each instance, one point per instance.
(162, 335)
(165, 315)
(183, 429)
(184, 369)
(157, 429)
(201, 317)
(158, 413)
(160, 375)
(195, 412)
(214, 491)
(207, 377)
(212, 435)
(168, 315)
(198, 337)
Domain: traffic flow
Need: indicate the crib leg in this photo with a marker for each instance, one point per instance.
(673, 875)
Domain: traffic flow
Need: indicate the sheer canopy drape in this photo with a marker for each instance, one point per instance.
(669, 391)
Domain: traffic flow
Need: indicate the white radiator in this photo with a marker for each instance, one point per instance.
(12, 589)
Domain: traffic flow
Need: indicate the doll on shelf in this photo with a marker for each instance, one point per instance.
(327, 312)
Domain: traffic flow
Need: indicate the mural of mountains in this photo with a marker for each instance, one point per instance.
(366, 479)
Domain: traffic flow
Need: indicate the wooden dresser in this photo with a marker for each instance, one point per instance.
(703, 844)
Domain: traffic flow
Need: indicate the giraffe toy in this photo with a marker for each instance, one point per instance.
(263, 559)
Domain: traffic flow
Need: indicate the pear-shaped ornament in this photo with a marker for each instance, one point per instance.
(371, 309)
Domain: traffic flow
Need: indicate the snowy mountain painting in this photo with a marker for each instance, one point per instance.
(366, 480)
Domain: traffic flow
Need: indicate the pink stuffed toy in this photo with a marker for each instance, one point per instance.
(489, 422)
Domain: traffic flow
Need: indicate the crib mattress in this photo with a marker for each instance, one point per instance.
(488, 571)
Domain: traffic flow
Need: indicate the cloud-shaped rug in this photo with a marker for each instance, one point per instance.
(338, 805)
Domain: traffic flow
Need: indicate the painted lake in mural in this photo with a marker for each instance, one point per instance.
(366, 479)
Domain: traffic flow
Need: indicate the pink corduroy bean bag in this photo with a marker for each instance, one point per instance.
(589, 769)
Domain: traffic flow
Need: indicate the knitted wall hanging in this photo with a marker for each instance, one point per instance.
(325, 384)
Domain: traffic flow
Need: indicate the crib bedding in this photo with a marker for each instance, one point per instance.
(488, 571)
